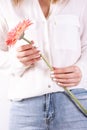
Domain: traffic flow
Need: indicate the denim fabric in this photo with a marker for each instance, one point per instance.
(53, 111)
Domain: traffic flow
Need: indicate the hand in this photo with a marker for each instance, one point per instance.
(67, 77)
(28, 54)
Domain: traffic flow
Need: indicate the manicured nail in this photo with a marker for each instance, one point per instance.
(52, 76)
(58, 83)
(54, 79)
(52, 72)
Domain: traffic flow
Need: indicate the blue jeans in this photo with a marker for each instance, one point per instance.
(53, 111)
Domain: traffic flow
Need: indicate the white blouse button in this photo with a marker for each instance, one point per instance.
(49, 86)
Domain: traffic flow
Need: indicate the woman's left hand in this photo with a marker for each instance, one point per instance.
(67, 77)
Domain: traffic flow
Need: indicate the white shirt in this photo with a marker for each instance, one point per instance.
(62, 38)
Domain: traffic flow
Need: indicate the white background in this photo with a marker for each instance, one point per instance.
(4, 104)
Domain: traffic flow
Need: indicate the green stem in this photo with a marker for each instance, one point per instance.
(26, 40)
(70, 94)
(45, 60)
(76, 101)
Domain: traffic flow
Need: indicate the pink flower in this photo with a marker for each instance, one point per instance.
(17, 32)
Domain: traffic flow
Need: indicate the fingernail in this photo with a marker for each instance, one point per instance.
(39, 51)
(52, 72)
(54, 79)
(52, 75)
(58, 83)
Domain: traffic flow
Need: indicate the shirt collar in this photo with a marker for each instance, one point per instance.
(54, 9)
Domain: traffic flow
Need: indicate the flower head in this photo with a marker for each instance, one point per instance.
(17, 32)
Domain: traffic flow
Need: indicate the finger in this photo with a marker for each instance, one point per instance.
(69, 69)
(66, 76)
(67, 85)
(30, 62)
(27, 53)
(29, 58)
(25, 47)
(67, 81)
(63, 76)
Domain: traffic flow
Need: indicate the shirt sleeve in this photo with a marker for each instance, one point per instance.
(82, 62)
(8, 60)
(17, 68)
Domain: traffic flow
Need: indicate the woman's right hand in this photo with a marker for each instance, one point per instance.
(28, 54)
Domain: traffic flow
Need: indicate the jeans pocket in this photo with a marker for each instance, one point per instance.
(80, 93)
